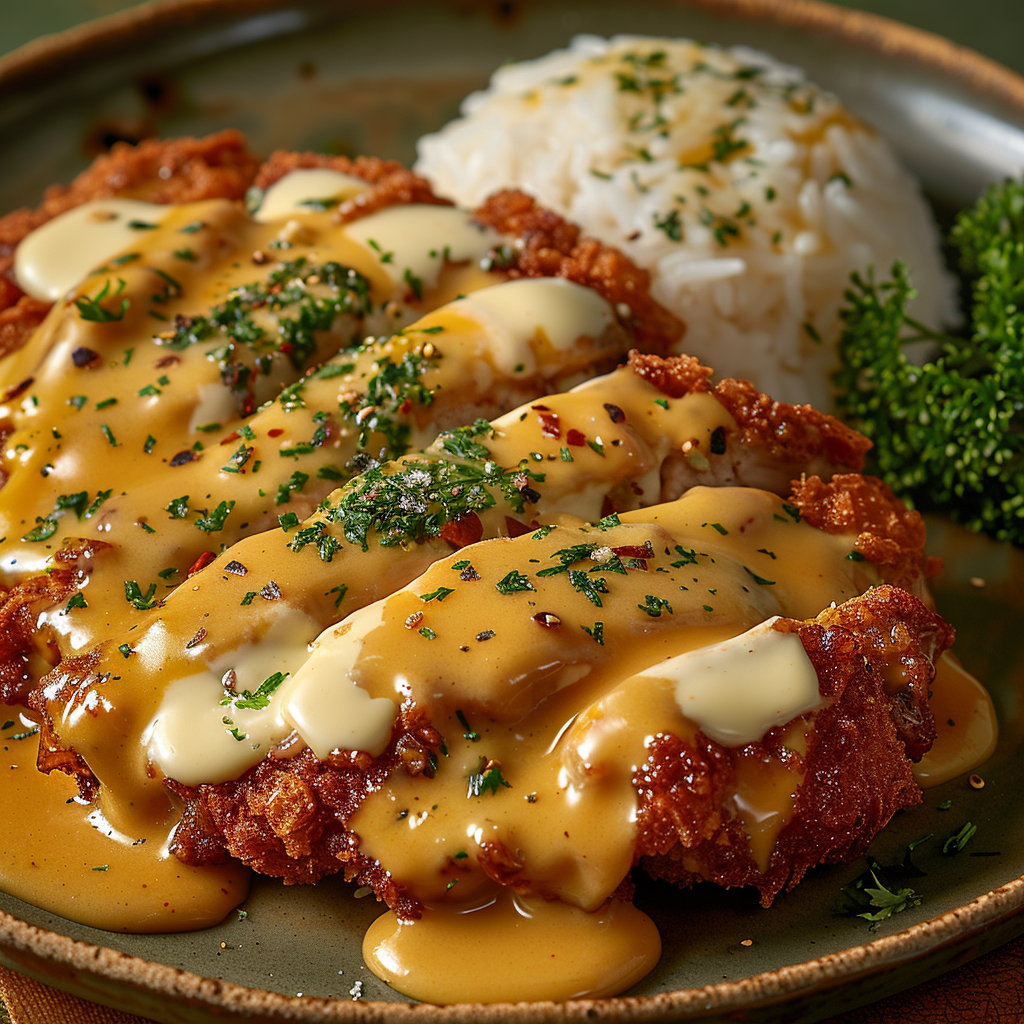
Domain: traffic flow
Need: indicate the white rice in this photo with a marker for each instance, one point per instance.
(749, 193)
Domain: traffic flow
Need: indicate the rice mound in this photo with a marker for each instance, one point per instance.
(749, 193)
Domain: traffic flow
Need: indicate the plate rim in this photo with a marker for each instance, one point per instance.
(28, 63)
(32, 949)
(942, 934)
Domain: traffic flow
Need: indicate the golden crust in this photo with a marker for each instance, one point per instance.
(18, 634)
(288, 816)
(553, 247)
(888, 533)
(856, 773)
(174, 171)
(788, 432)
(676, 820)
(391, 182)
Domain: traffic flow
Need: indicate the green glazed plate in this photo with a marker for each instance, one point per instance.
(361, 77)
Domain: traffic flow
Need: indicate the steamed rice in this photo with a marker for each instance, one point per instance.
(749, 193)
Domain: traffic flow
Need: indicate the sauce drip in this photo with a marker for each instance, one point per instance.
(510, 949)
(547, 715)
(965, 721)
(70, 859)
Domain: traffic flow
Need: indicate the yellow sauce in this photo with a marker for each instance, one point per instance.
(510, 949)
(67, 857)
(965, 722)
(548, 694)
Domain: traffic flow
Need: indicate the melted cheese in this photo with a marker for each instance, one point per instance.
(413, 242)
(538, 313)
(209, 726)
(304, 189)
(56, 256)
(738, 690)
(324, 703)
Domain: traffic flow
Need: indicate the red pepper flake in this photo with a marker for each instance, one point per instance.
(517, 529)
(550, 425)
(19, 389)
(236, 568)
(642, 551)
(200, 563)
(576, 437)
(165, 361)
(83, 356)
(615, 414)
(271, 592)
(414, 620)
(276, 432)
(197, 639)
(233, 436)
(548, 619)
(184, 457)
(465, 530)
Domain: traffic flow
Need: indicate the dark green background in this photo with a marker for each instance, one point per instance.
(993, 27)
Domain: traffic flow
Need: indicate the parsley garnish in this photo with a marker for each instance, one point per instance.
(134, 596)
(91, 308)
(214, 521)
(467, 733)
(257, 700)
(591, 587)
(513, 582)
(958, 840)
(487, 780)
(653, 606)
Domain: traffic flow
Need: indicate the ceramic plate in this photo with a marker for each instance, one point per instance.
(353, 77)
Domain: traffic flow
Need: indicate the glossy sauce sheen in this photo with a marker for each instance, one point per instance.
(66, 857)
(566, 718)
(547, 693)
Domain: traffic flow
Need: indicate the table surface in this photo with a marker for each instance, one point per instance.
(990, 989)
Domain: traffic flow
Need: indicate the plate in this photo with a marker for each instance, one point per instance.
(354, 77)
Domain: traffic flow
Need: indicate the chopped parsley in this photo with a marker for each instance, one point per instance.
(513, 582)
(93, 310)
(488, 779)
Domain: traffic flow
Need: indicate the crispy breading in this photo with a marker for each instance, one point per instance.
(554, 247)
(838, 645)
(792, 432)
(856, 772)
(18, 633)
(287, 817)
(183, 170)
(889, 533)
